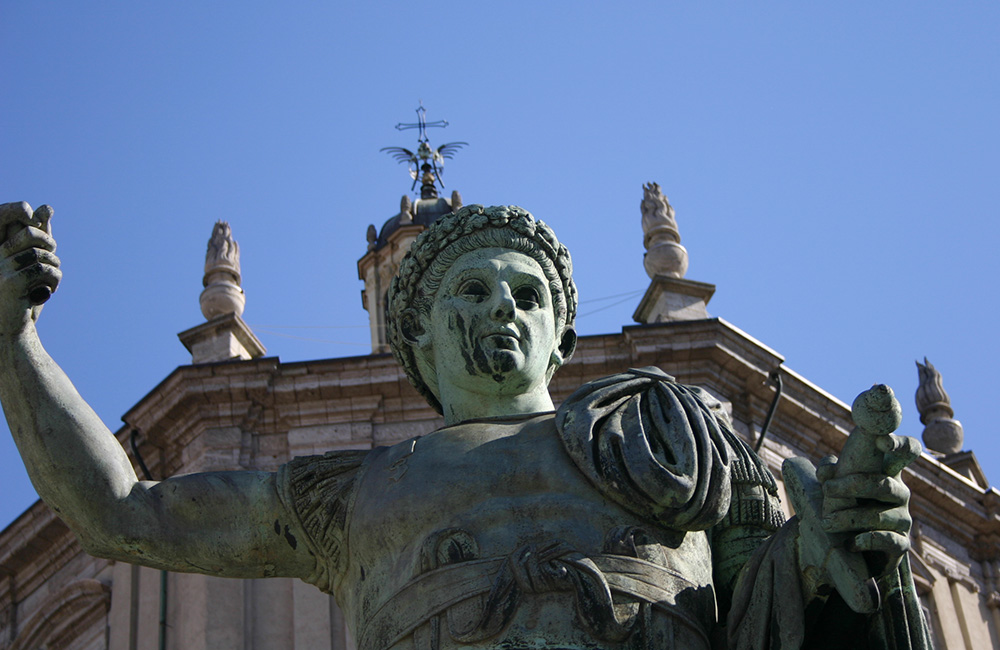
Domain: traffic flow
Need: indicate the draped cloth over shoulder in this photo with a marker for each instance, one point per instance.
(667, 452)
(656, 447)
(317, 491)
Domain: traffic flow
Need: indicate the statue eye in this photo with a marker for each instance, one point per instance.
(473, 291)
(527, 298)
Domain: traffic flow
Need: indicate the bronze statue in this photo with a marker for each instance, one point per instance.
(631, 517)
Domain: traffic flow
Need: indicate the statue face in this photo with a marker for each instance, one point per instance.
(492, 325)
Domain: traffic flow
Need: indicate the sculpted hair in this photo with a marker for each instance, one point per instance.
(473, 227)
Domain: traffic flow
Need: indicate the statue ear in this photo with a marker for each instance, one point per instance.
(412, 329)
(568, 344)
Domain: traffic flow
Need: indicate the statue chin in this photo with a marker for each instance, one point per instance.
(502, 362)
(505, 365)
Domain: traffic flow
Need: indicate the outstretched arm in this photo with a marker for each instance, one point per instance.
(219, 523)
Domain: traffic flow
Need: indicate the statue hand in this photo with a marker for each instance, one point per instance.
(29, 268)
(869, 510)
(854, 519)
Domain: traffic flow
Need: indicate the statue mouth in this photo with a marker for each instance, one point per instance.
(505, 340)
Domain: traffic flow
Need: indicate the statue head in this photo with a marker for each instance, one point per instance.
(489, 293)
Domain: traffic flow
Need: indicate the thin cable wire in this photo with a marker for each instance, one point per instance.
(270, 328)
(627, 294)
(604, 307)
(306, 338)
(308, 327)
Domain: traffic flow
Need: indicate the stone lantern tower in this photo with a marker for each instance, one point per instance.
(387, 248)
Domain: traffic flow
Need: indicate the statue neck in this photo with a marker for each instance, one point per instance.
(460, 405)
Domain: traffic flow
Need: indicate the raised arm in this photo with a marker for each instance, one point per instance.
(220, 523)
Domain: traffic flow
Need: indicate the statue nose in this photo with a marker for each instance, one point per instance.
(503, 307)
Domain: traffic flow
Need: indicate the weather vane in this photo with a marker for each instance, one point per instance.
(426, 164)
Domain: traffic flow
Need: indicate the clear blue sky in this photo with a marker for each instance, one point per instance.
(833, 167)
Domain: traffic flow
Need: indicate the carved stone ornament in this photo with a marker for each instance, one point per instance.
(223, 251)
(664, 254)
(942, 433)
(222, 293)
(405, 210)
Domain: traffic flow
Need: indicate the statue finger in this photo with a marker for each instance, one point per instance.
(15, 214)
(866, 519)
(33, 257)
(39, 236)
(826, 468)
(43, 218)
(899, 451)
(877, 487)
(27, 238)
(33, 269)
(880, 541)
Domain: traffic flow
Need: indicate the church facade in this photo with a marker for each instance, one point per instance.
(234, 408)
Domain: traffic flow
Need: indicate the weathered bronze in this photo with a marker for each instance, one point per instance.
(632, 516)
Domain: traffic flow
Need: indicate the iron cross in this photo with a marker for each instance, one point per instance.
(421, 123)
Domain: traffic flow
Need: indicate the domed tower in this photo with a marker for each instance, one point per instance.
(386, 247)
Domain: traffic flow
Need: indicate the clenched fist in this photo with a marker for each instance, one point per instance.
(29, 268)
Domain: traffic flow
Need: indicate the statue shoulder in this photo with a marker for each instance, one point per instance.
(597, 395)
(317, 491)
(667, 451)
(659, 448)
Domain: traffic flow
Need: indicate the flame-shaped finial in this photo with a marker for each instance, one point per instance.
(664, 254)
(222, 293)
(942, 433)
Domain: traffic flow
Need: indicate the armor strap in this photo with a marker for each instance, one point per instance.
(439, 589)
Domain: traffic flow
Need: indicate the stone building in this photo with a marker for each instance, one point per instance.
(235, 408)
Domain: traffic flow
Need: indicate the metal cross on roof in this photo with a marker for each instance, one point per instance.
(426, 164)
(421, 123)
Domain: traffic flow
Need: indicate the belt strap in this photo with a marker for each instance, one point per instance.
(439, 589)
